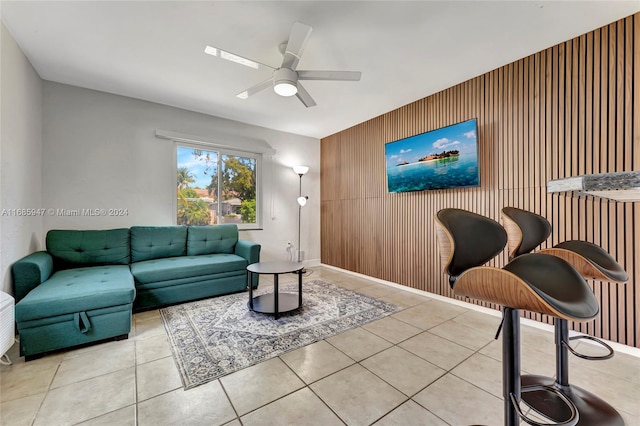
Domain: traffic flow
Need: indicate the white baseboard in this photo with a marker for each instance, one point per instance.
(618, 347)
(312, 263)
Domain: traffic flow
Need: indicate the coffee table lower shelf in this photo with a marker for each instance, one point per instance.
(265, 303)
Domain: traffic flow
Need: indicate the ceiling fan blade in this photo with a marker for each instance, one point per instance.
(255, 89)
(330, 75)
(305, 97)
(295, 46)
(214, 51)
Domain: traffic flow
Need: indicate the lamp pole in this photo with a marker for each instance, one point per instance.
(300, 171)
(299, 214)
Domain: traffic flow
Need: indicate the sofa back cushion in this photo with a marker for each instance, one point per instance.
(154, 242)
(212, 239)
(76, 248)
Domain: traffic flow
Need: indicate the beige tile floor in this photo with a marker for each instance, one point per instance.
(432, 363)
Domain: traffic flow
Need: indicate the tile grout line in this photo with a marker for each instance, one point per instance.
(226, 394)
(135, 372)
(408, 398)
(308, 385)
(46, 393)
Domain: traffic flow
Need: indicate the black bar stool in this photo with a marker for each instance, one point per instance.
(526, 231)
(531, 282)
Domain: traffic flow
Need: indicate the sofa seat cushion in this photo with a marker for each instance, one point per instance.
(173, 268)
(78, 290)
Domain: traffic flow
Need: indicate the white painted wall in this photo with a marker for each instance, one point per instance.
(20, 155)
(100, 151)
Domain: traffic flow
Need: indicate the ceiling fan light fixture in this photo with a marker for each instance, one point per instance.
(285, 82)
(285, 88)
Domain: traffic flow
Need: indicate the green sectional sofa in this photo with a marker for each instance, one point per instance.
(84, 287)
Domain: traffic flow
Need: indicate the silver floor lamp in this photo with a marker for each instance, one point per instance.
(302, 200)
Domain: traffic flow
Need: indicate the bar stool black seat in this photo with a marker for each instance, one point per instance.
(531, 282)
(526, 231)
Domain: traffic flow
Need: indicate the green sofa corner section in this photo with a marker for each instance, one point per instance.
(86, 285)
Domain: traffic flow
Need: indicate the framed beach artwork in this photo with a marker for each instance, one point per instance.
(444, 158)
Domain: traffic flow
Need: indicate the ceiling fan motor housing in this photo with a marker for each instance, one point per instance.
(285, 82)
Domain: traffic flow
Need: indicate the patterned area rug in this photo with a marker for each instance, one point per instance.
(214, 337)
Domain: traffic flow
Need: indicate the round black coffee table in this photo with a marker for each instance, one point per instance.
(276, 302)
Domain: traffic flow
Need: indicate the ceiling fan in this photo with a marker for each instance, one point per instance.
(286, 79)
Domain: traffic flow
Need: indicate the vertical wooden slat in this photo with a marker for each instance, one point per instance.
(571, 109)
(635, 76)
(628, 93)
(575, 109)
(632, 222)
(597, 101)
(604, 99)
(588, 117)
(582, 106)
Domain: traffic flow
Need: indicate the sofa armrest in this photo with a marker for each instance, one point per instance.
(250, 251)
(29, 272)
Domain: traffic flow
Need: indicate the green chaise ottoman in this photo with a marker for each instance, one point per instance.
(80, 291)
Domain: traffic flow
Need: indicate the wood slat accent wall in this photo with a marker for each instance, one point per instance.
(569, 110)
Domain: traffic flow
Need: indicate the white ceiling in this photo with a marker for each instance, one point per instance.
(405, 50)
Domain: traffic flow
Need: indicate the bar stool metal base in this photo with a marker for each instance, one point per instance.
(513, 389)
(593, 410)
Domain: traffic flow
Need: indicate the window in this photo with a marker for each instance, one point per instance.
(217, 186)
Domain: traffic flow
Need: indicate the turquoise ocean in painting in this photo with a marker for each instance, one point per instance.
(435, 174)
(439, 159)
